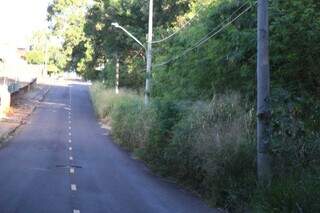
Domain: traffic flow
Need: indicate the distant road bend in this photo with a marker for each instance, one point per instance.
(62, 161)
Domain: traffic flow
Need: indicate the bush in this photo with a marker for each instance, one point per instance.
(104, 100)
(167, 114)
(130, 120)
(131, 123)
(211, 150)
(295, 152)
(210, 147)
(291, 193)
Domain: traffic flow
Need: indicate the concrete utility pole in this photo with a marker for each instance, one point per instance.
(263, 96)
(45, 69)
(149, 55)
(117, 73)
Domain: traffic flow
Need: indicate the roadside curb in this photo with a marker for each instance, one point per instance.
(6, 135)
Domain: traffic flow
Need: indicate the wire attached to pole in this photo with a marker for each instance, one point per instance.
(207, 37)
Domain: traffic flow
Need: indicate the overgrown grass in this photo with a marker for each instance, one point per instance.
(210, 147)
(125, 112)
(104, 100)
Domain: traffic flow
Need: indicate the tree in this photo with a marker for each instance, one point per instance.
(43, 44)
(35, 57)
(67, 18)
(38, 42)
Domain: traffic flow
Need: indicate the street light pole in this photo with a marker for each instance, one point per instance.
(149, 54)
(117, 25)
(45, 70)
(148, 50)
(117, 73)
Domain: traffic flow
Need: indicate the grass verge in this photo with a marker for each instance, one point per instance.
(210, 147)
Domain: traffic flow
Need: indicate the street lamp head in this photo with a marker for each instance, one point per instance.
(115, 24)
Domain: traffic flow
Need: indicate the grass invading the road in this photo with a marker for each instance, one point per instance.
(210, 147)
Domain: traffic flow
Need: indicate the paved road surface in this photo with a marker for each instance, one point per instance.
(62, 161)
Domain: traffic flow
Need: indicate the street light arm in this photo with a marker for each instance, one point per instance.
(126, 31)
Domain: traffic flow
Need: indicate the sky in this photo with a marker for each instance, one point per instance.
(19, 18)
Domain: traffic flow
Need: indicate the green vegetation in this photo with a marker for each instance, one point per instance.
(66, 18)
(35, 57)
(200, 126)
(210, 147)
(41, 47)
(36, 54)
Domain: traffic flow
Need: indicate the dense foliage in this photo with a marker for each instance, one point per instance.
(200, 127)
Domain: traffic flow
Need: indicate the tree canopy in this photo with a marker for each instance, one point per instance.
(224, 62)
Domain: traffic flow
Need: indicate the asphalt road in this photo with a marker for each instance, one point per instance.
(62, 161)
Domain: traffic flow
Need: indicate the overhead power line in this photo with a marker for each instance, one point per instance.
(207, 37)
(189, 22)
(179, 30)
